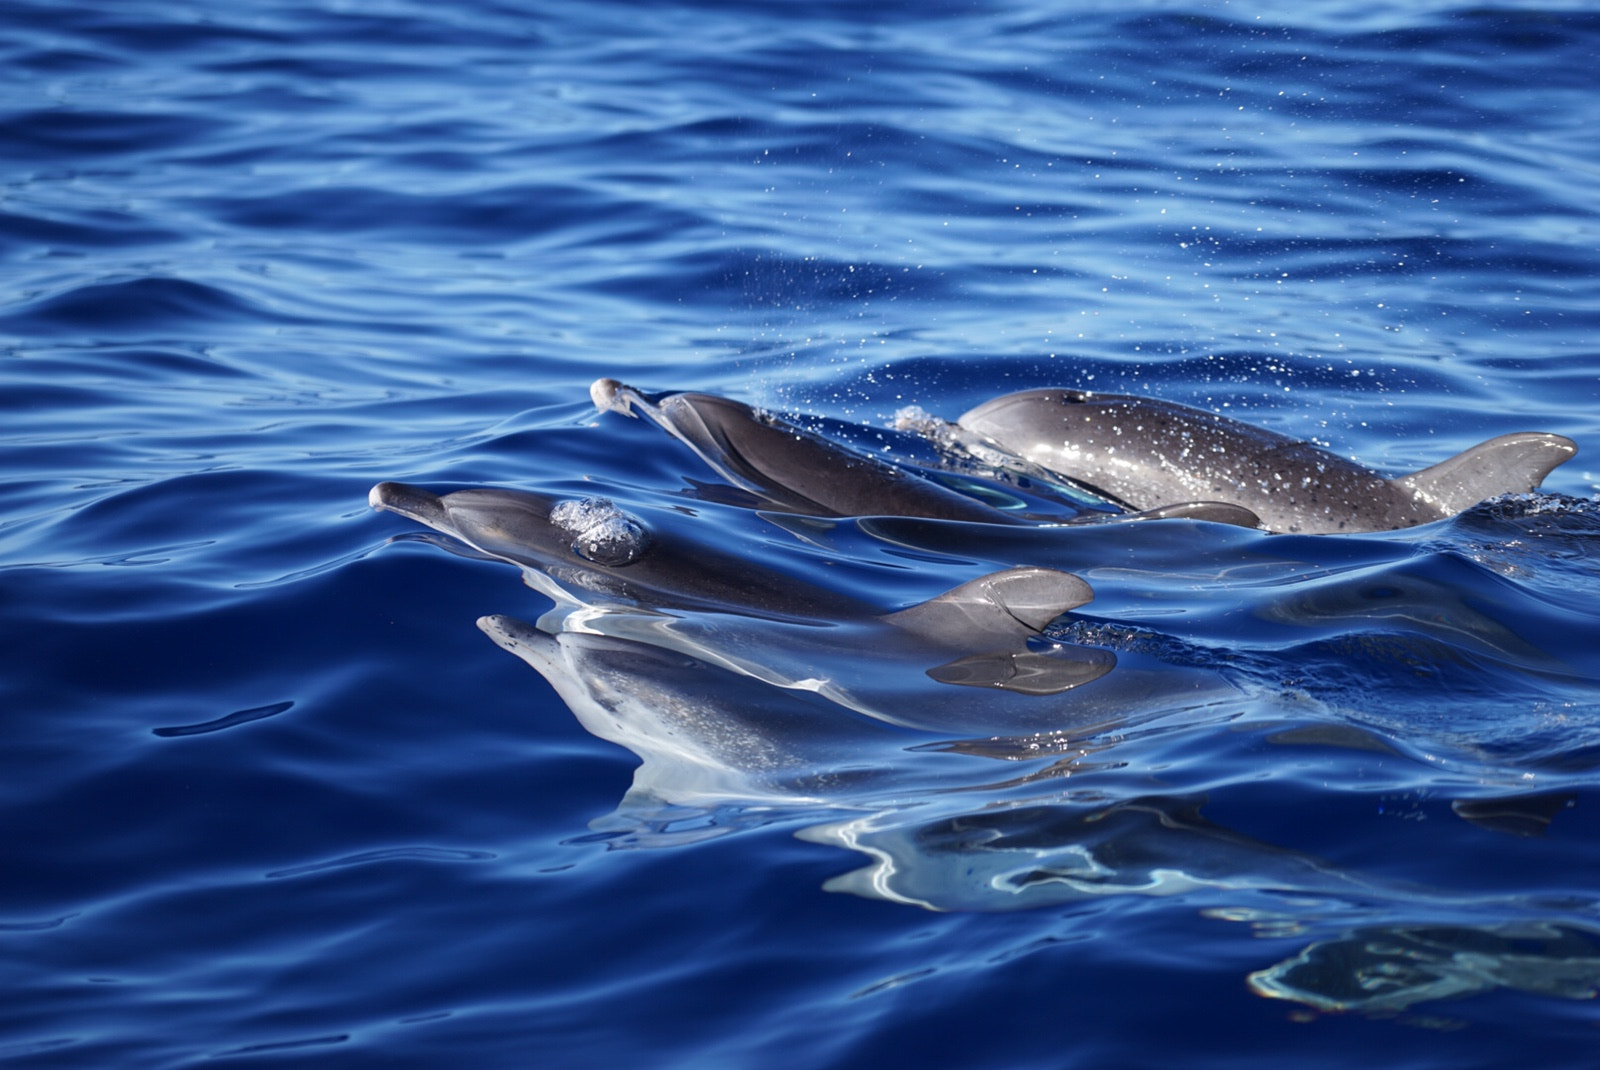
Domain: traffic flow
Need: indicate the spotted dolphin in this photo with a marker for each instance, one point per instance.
(668, 583)
(797, 471)
(787, 466)
(705, 735)
(1146, 453)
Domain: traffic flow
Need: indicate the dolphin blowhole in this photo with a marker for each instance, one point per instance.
(601, 532)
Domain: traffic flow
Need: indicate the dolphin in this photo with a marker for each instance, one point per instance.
(666, 583)
(1387, 969)
(787, 467)
(1145, 453)
(705, 735)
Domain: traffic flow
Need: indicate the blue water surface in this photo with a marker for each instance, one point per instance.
(270, 797)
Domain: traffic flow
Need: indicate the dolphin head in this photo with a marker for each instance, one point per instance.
(524, 528)
(591, 551)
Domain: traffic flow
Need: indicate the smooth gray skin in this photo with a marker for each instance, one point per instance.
(1148, 453)
(976, 635)
(791, 468)
(672, 569)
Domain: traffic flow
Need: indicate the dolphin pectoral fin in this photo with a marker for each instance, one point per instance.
(1027, 672)
(1511, 464)
(1013, 603)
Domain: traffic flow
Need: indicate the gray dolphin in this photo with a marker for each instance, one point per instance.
(1146, 453)
(667, 584)
(789, 467)
(705, 735)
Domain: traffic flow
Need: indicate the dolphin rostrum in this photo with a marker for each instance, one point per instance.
(1146, 453)
(659, 583)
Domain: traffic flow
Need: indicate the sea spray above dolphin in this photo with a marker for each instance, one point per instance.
(661, 584)
(1146, 453)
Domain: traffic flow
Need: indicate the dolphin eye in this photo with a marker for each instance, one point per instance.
(600, 532)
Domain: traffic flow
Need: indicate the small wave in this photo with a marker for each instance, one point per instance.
(132, 306)
(391, 854)
(59, 133)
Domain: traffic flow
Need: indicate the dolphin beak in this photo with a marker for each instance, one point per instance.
(609, 395)
(414, 503)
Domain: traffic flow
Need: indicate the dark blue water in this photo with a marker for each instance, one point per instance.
(268, 796)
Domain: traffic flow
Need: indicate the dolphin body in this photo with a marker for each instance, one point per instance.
(796, 471)
(705, 735)
(792, 469)
(613, 573)
(1146, 453)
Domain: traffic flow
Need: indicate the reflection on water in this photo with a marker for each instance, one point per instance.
(1381, 970)
(1041, 853)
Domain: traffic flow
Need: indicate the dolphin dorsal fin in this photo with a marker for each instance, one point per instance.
(1015, 602)
(1510, 464)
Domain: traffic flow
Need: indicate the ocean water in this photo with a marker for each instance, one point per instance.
(270, 797)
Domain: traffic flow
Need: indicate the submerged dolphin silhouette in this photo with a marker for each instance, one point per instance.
(661, 585)
(712, 740)
(1037, 853)
(704, 735)
(1146, 453)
